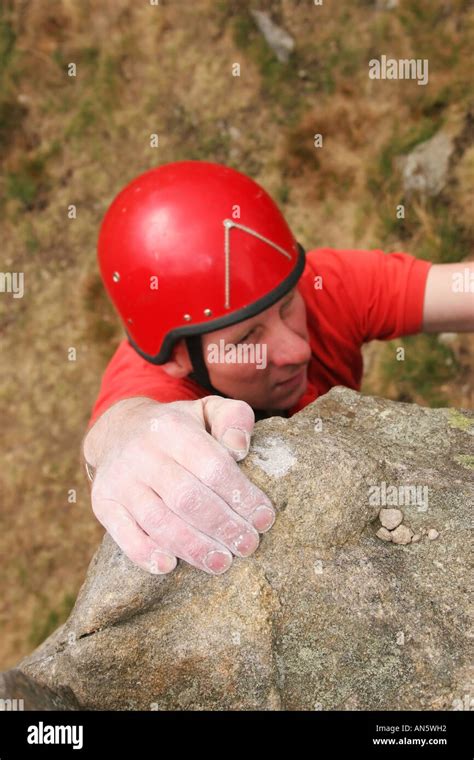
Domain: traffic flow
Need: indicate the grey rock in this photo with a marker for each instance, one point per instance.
(402, 535)
(425, 170)
(19, 691)
(277, 38)
(384, 534)
(323, 613)
(386, 5)
(390, 518)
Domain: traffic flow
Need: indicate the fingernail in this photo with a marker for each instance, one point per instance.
(263, 518)
(246, 544)
(161, 563)
(236, 439)
(217, 561)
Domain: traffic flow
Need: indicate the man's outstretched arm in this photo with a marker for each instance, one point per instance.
(449, 298)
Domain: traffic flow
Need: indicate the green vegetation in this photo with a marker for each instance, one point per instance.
(382, 176)
(427, 365)
(460, 421)
(25, 183)
(47, 620)
(278, 79)
(466, 460)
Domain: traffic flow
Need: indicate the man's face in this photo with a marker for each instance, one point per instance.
(278, 335)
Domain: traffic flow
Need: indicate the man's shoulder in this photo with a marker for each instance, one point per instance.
(332, 262)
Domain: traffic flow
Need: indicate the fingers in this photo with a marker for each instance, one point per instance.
(229, 422)
(136, 544)
(179, 538)
(173, 488)
(152, 536)
(215, 474)
(203, 508)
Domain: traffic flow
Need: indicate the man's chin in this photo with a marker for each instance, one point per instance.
(284, 398)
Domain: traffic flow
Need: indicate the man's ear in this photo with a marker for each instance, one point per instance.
(180, 364)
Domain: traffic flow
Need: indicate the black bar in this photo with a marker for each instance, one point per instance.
(374, 734)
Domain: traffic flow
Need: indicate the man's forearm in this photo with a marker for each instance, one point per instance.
(449, 298)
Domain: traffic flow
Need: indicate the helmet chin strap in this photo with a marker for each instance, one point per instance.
(200, 374)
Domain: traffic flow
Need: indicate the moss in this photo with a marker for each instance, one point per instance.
(459, 421)
(466, 460)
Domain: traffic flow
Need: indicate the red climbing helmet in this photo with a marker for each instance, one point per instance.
(190, 247)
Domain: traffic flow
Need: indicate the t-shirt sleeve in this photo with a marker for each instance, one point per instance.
(380, 294)
(128, 375)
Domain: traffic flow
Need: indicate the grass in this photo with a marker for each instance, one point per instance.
(430, 223)
(449, 241)
(12, 113)
(47, 620)
(381, 175)
(441, 238)
(278, 79)
(83, 120)
(427, 365)
(27, 181)
(102, 325)
(31, 241)
(7, 45)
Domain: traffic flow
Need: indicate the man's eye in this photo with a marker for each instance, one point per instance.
(246, 336)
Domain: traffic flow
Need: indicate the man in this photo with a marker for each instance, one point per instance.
(227, 320)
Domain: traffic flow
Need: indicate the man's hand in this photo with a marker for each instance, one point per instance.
(167, 484)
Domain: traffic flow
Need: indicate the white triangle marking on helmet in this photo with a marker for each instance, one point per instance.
(228, 224)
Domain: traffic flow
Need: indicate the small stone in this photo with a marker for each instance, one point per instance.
(432, 534)
(384, 534)
(277, 38)
(390, 518)
(235, 133)
(402, 535)
(447, 338)
(416, 537)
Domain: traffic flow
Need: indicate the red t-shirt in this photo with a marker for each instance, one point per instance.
(361, 296)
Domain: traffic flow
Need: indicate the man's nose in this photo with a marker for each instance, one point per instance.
(288, 348)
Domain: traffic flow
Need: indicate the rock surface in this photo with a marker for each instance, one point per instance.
(324, 615)
(277, 38)
(425, 169)
(31, 695)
